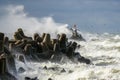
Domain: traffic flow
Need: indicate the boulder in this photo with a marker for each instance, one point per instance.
(1, 42)
(21, 58)
(6, 41)
(84, 60)
(17, 36)
(45, 67)
(21, 70)
(20, 31)
(62, 41)
(50, 79)
(63, 70)
(2, 64)
(28, 78)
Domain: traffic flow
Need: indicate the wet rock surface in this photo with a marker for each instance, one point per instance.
(63, 70)
(39, 48)
(28, 78)
(21, 70)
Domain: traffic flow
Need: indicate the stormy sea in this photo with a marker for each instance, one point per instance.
(102, 49)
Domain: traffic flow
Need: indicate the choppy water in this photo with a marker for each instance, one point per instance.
(103, 50)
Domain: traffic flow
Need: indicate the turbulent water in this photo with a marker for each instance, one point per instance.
(103, 50)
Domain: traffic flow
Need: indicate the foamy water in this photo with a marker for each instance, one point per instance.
(103, 50)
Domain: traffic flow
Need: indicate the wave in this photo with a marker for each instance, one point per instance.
(102, 49)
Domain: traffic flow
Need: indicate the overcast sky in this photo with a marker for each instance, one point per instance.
(90, 15)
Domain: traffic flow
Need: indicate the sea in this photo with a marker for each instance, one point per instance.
(102, 49)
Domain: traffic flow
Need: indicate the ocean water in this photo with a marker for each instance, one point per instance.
(102, 49)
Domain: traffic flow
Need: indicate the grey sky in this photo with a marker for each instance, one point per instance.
(90, 15)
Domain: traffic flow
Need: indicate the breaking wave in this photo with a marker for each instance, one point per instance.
(102, 49)
(104, 52)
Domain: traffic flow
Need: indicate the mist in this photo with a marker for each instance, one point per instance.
(14, 17)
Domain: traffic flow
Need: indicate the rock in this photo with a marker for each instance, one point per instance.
(35, 36)
(45, 67)
(44, 47)
(63, 70)
(70, 71)
(74, 45)
(78, 46)
(57, 57)
(43, 35)
(70, 52)
(47, 39)
(39, 39)
(54, 41)
(45, 55)
(22, 43)
(23, 35)
(76, 35)
(1, 42)
(21, 58)
(87, 61)
(2, 64)
(27, 78)
(50, 79)
(1, 36)
(56, 47)
(52, 68)
(7, 76)
(10, 62)
(62, 41)
(6, 41)
(11, 47)
(28, 49)
(84, 60)
(21, 70)
(17, 36)
(1, 47)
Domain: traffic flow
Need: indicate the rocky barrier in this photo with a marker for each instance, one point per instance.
(36, 48)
